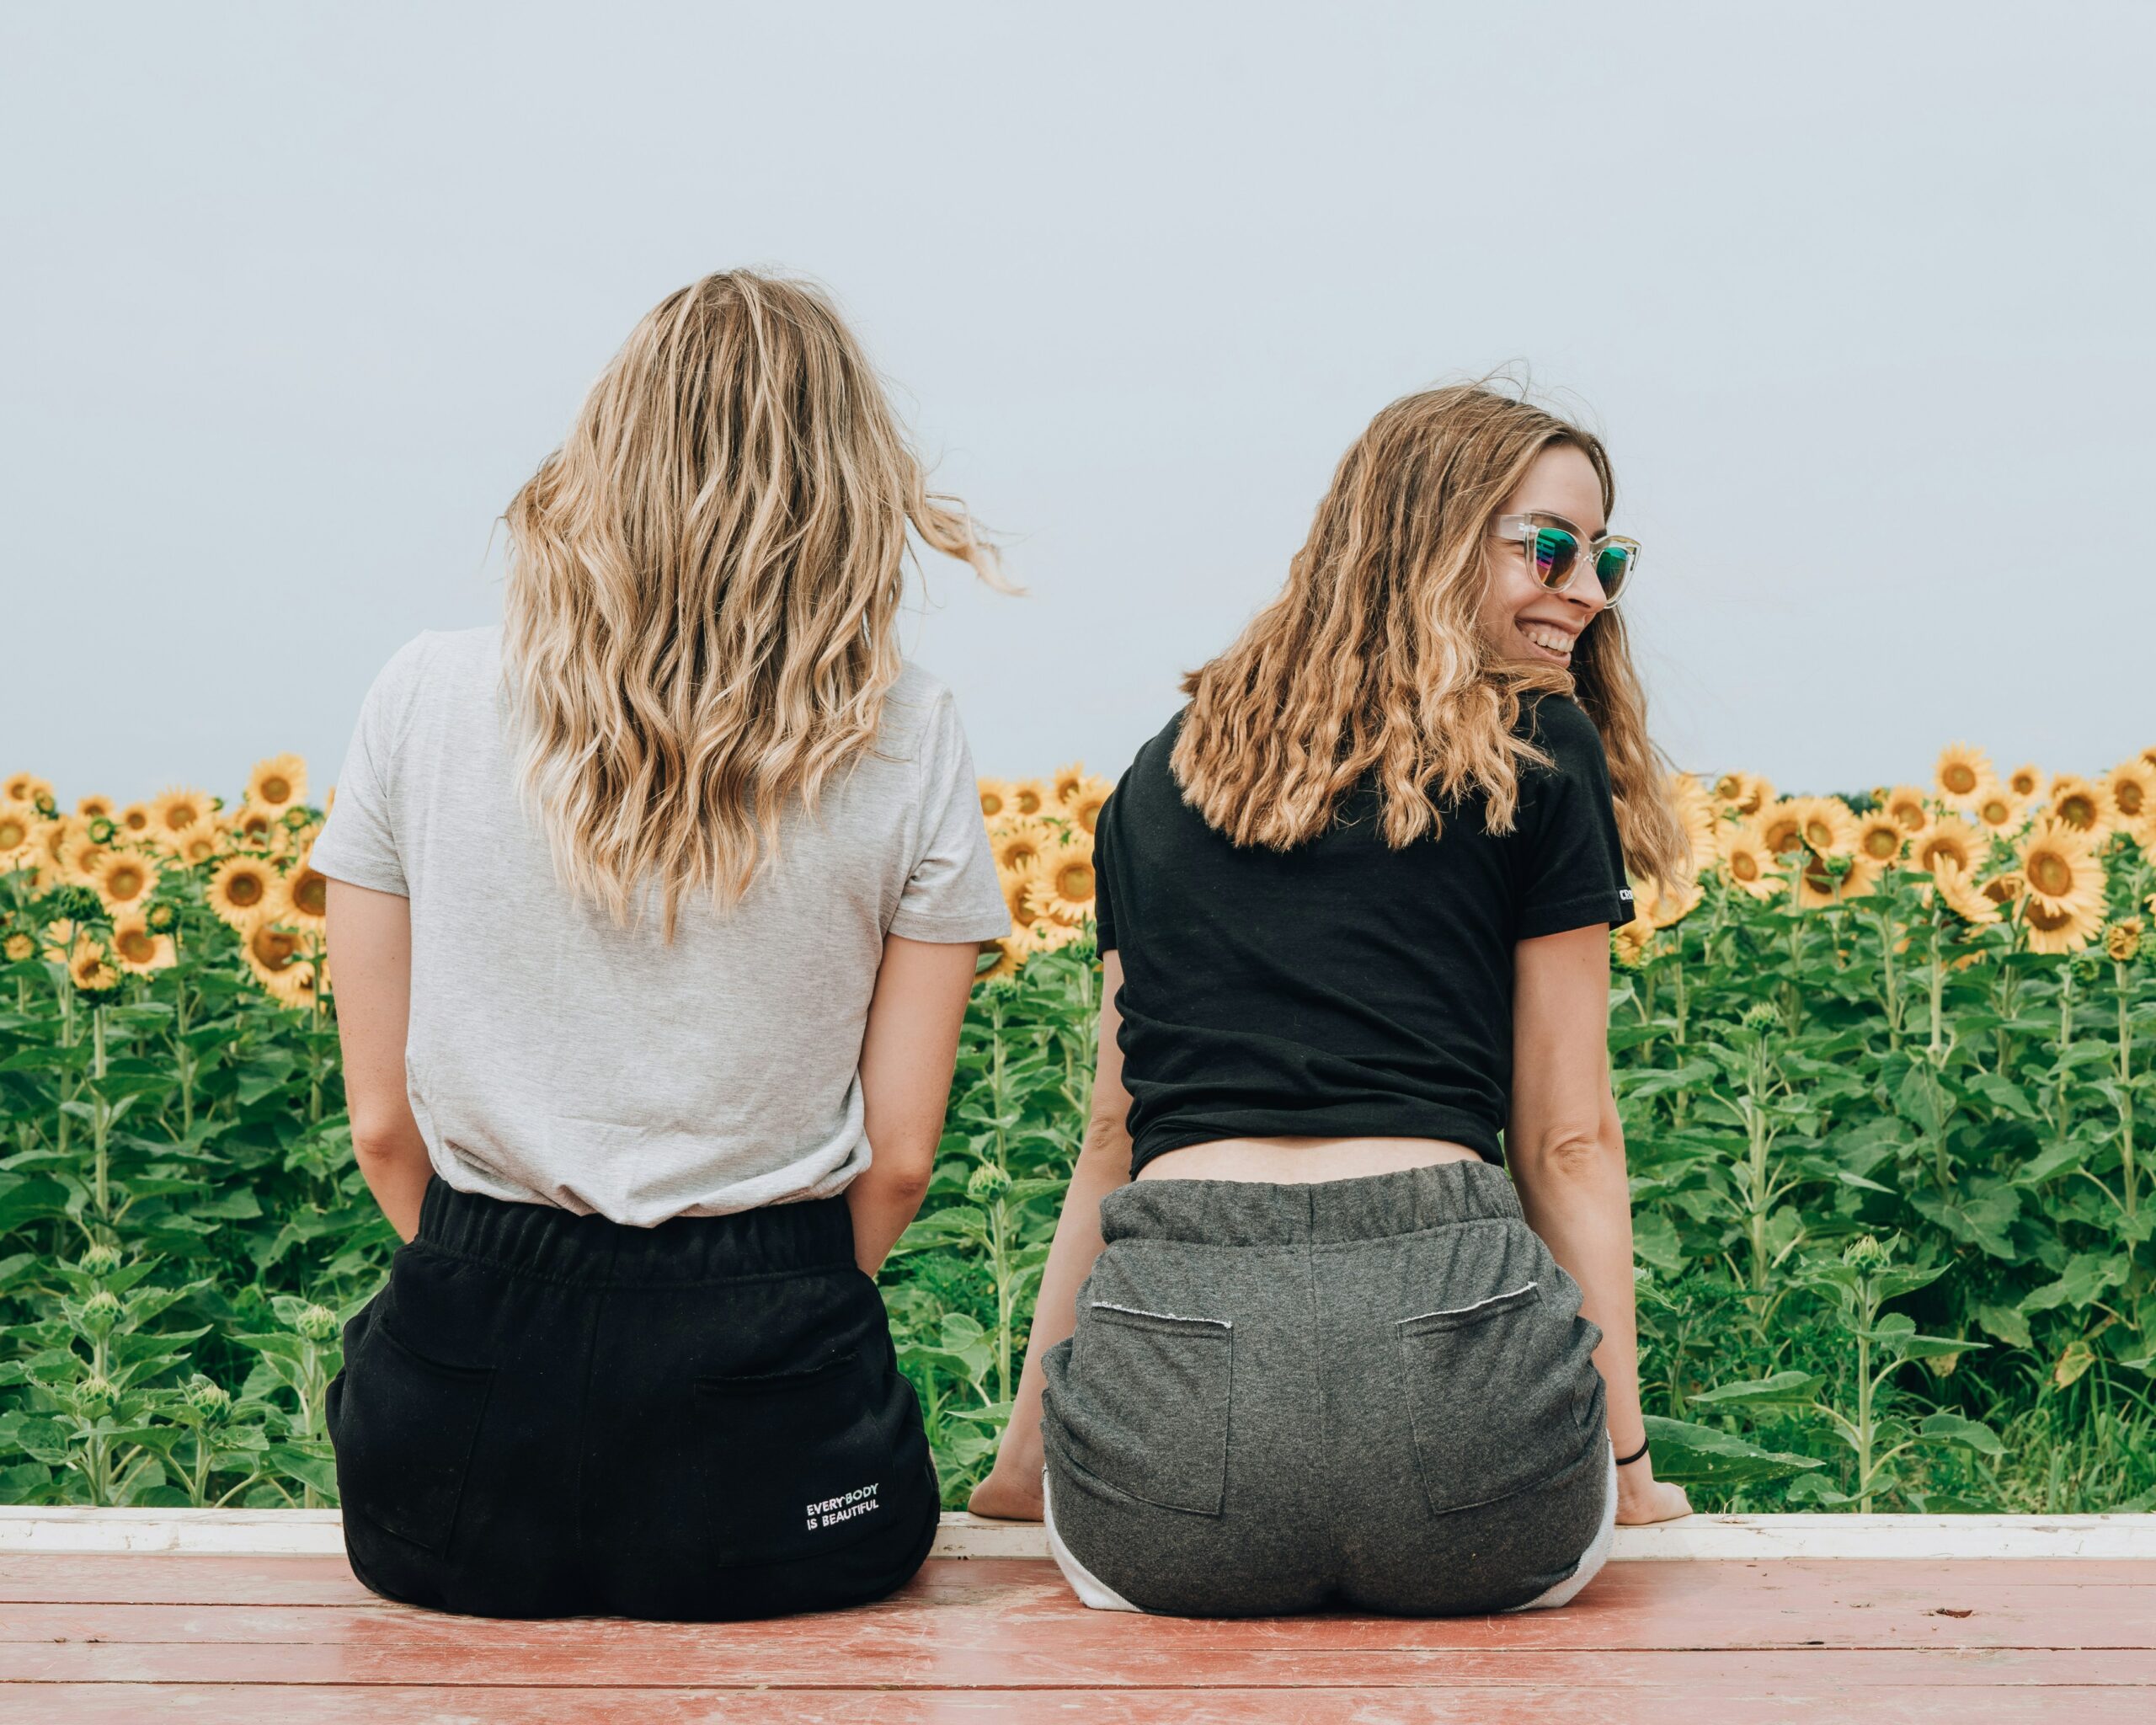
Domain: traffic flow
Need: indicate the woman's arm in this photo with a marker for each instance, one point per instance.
(1566, 1147)
(370, 937)
(1012, 1488)
(907, 1053)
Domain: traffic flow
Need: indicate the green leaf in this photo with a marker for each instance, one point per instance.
(1685, 1453)
(1953, 1429)
(1782, 1389)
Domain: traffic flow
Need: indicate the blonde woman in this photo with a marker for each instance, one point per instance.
(1340, 1307)
(654, 912)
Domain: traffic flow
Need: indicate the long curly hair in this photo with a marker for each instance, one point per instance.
(701, 587)
(1372, 657)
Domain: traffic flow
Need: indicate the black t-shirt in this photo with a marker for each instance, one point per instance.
(1343, 988)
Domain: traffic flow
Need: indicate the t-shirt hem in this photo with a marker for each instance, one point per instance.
(1575, 913)
(381, 880)
(953, 927)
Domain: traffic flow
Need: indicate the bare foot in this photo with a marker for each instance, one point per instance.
(1008, 1498)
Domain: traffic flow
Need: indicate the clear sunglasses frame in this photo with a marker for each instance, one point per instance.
(1587, 553)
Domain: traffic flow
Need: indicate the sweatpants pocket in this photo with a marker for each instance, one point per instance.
(797, 1463)
(1492, 1401)
(1144, 1404)
(404, 1427)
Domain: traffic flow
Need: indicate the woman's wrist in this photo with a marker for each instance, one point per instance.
(1637, 1452)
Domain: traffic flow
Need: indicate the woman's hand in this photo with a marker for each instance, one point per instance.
(1011, 1492)
(1642, 1497)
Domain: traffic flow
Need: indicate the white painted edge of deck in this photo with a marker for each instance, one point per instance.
(318, 1532)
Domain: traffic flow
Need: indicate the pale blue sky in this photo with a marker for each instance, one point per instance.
(296, 296)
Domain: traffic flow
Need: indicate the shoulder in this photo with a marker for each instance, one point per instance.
(1560, 724)
(920, 720)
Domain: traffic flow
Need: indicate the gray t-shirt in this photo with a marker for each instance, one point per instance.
(555, 1059)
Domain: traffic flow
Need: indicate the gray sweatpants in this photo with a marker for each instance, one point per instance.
(1376, 1392)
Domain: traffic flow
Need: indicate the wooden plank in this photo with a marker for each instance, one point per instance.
(740, 1663)
(1676, 1705)
(1714, 1538)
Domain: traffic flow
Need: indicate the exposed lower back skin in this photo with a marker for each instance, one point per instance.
(1301, 1161)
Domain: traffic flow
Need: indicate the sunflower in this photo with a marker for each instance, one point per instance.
(1880, 837)
(277, 783)
(254, 827)
(2055, 929)
(19, 946)
(134, 820)
(201, 844)
(175, 812)
(80, 859)
(1029, 797)
(1749, 864)
(124, 879)
(1696, 813)
(137, 948)
(1962, 772)
(1049, 936)
(1666, 907)
(1746, 792)
(89, 967)
(1079, 801)
(1019, 844)
(26, 787)
(90, 807)
(2123, 940)
(241, 890)
(2083, 804)
(1816, 884)
(1631, 944)
(1067, 783)
(1781, 825)
(2133, 788)
(295, 986)
(2005, 890)
(1950, 842)
(303, 893)
(60, 934)
(1059, 887)
(1997, 810)
(1829, 829)
(994, 799)
(2064, 884)
(2026, 782)
(1904, 804)
(269, 948)
(1963, 896)
(18, 825)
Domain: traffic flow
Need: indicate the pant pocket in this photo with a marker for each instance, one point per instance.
(1143, 1404)
(797, 1463)
(404, 1427)
(1493, 1396)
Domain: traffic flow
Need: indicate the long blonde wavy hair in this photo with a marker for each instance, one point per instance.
(1373, 659)
(701, 587)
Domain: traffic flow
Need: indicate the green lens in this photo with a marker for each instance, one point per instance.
(1612, 568)
(1553, 550)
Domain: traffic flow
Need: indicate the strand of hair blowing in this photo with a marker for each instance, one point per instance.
(702, 586)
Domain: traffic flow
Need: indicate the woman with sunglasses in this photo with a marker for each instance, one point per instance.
(654, 911)
(1340, 1308)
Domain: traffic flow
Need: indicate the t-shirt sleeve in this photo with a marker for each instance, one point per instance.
(1104, 848)
(951, 892)
(1571, 858)
(359, 841)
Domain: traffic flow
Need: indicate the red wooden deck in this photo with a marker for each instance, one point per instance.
(85, 1639)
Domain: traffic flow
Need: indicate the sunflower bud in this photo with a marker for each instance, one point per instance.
(101, 1311)
(102, 831)
(1866, 1252)
(161, 918)
(1760, 1016)
(317, 1323)
(100, 1260)
(2123, 940)
(211, 1400)
(96, 1397)
(986, 1181)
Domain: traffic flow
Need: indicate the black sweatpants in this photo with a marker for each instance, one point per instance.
(544, 1414)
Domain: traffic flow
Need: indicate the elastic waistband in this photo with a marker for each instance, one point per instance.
(543, 1240)
(1267, 1212)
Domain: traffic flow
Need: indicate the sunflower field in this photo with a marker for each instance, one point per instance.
(1881, 1063)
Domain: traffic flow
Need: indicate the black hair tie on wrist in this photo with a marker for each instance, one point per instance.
(1634, 1456)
